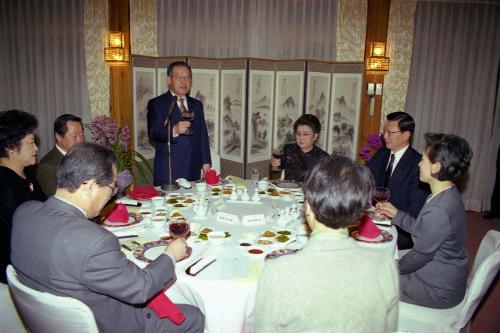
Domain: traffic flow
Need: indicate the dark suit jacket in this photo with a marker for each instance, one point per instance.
(189, 152)
(14, 191)
(407, 192)
(47, 170)
(56, 249)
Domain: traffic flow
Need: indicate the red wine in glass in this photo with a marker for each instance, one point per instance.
(187, 116)
(179, 228)
(380, 194)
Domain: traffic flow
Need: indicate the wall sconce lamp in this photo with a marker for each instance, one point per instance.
(116, 54)
(374, 89)
(377, 62)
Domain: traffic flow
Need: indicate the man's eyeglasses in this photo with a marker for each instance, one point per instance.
(114, 189)
(390, 132)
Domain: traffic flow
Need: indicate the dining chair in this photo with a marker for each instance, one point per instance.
(419, 319)
(9, 318)
(43, 312)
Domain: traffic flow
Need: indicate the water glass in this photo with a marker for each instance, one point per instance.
(254, 175)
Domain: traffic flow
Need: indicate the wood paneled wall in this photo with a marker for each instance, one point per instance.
(376, 30)
(120, 76)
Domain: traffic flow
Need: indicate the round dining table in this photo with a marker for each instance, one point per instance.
(225, 290)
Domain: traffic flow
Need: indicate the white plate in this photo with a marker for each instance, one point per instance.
(119, 224)
(284, 184)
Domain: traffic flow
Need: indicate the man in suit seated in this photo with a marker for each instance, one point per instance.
(56, 249)
(396, 167)
(190, 149)
(68, 131)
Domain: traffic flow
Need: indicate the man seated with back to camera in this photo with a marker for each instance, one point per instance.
(401, 176)
(75, 257)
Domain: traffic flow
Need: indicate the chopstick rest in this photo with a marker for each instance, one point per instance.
(200, 265)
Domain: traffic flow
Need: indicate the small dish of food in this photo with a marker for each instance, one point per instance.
(265, 241)
(216, 238)
(269, 233)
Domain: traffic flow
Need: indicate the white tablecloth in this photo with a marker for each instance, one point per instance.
(225, 290)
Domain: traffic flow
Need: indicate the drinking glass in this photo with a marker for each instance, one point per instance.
(277, 153)
(187, 115)
(254, 175)
(380, 194)
(179, 228)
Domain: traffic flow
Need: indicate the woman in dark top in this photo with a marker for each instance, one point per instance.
(434, 273)
(298, 158)
(17, 151)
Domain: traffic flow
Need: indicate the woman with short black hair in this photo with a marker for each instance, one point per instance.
(434, 272)
(17, 151)
(298, 158)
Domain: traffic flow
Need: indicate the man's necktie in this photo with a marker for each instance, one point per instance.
(388, 171)
(182, 108)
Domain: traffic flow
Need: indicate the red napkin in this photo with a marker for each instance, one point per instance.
(144, 193)
(165, 308)
(211, 177)
(119, 214)
(367, 228)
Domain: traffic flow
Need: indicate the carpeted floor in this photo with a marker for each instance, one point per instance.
(487, 317)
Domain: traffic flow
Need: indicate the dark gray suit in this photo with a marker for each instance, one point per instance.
(56, 249)
(434, 272)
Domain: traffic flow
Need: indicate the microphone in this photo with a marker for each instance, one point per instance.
(169, 113)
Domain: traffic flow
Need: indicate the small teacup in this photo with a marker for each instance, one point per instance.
(201, 187)
(263, 184)
(157, 202)
(158, 222)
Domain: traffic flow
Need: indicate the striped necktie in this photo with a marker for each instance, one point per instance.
(388, 171)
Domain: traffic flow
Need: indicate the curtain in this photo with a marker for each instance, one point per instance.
(277, 29)
(42, 65)
(452, 88)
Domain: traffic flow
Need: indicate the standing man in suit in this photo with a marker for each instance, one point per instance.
(56, 249)
(190, 152)
(68, 131)
(396, 167)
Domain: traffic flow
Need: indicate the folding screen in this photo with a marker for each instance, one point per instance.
(251, 104)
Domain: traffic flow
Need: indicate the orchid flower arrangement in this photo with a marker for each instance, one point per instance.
(373, 143)
(107, 133)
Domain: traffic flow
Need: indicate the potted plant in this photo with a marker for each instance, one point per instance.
(107, 133)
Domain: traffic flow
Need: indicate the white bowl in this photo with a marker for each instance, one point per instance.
(158, 222)
(216, 238)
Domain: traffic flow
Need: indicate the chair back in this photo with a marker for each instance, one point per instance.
(486, 266)
(43, 312)
(215, 161)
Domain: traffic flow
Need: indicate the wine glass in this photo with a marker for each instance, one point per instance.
(380, 194)
(187, 115)
(179, 228)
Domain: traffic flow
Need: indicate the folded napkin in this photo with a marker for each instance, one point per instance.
(211, 177)
(119, 214)
(165, 308)
(367, 228)
(144, 193)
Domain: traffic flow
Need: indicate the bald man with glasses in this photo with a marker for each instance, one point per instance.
(396, 167)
